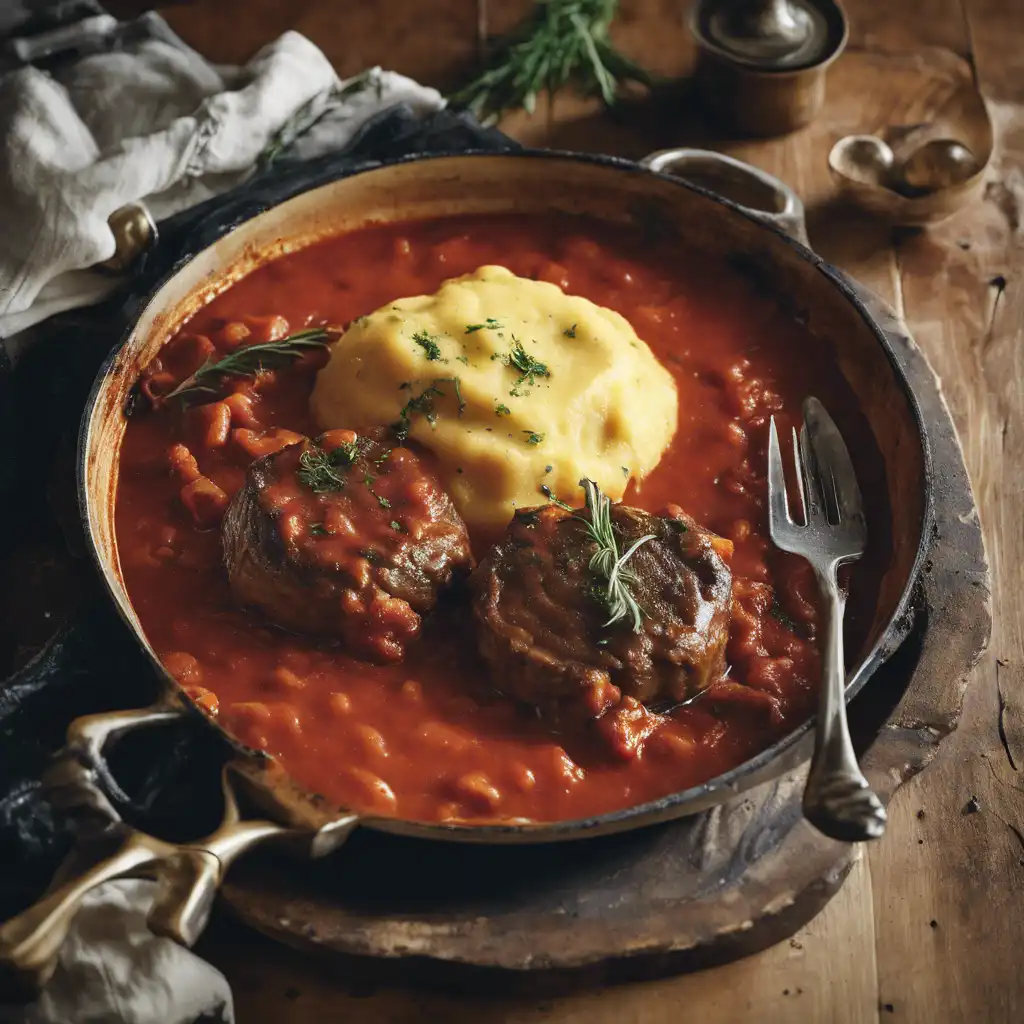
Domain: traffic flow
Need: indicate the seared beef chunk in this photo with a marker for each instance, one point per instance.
(344, 536)
(541, 612)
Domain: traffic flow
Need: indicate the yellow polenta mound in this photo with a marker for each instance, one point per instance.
(512, 384)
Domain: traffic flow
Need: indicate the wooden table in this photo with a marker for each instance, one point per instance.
(930, 925)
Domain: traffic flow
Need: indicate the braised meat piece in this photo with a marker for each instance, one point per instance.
(344, 536)
(541, 610)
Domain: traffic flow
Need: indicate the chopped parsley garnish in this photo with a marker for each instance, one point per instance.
(383, 502)
(490, 324)
(570, 332)
(529, 368)
(423, 404)
(319, 530)
(550, 495)
(778, 613)
(428, 342)
(462, 359)
(502, 410)
(533, 437)
(397, 526)
(323, 471)
(625, 471)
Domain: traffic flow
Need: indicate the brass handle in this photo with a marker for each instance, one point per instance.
(189, 874)
(134, 232)
(757, 193)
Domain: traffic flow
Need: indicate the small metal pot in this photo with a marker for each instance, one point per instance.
(760, 69)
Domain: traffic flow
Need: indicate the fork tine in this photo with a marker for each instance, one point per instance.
(799, 475)
(834, 461)
(778, 506)
(814, 502)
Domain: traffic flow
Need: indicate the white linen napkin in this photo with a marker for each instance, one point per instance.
(114, 970)
(152, 121)
(143, 118)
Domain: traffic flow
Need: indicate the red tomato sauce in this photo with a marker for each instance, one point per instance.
(423, 739)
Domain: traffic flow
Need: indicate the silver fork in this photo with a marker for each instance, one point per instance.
(837, 798)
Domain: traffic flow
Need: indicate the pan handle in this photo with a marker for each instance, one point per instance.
(759, 194)
(189, 874)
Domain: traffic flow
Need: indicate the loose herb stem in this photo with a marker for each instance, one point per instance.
(207, 383)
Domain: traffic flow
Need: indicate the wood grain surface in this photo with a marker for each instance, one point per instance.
(930, 925)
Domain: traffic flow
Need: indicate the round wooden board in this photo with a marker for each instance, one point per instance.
(668, 898)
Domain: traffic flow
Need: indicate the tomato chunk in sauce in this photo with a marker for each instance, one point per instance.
(424, 738)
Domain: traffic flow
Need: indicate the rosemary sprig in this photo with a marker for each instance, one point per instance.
(606, 560)
(561, 41)
(205, 385)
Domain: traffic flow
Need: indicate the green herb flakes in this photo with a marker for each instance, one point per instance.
(550, 495)
(431, 349)
(490, 324)
(322, 471)
(529, 368)
(423, 404)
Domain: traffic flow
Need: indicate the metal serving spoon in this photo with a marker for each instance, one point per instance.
(837, 798)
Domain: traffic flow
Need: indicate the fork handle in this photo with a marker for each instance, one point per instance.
(837, 798)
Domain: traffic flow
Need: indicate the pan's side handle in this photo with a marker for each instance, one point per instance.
(189, 874)
(758, 193)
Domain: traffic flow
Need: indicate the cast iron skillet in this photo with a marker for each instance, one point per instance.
(765, 237)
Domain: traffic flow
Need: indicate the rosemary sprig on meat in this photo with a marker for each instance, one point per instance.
(606, 561)
(207, 383)
(561, 41)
